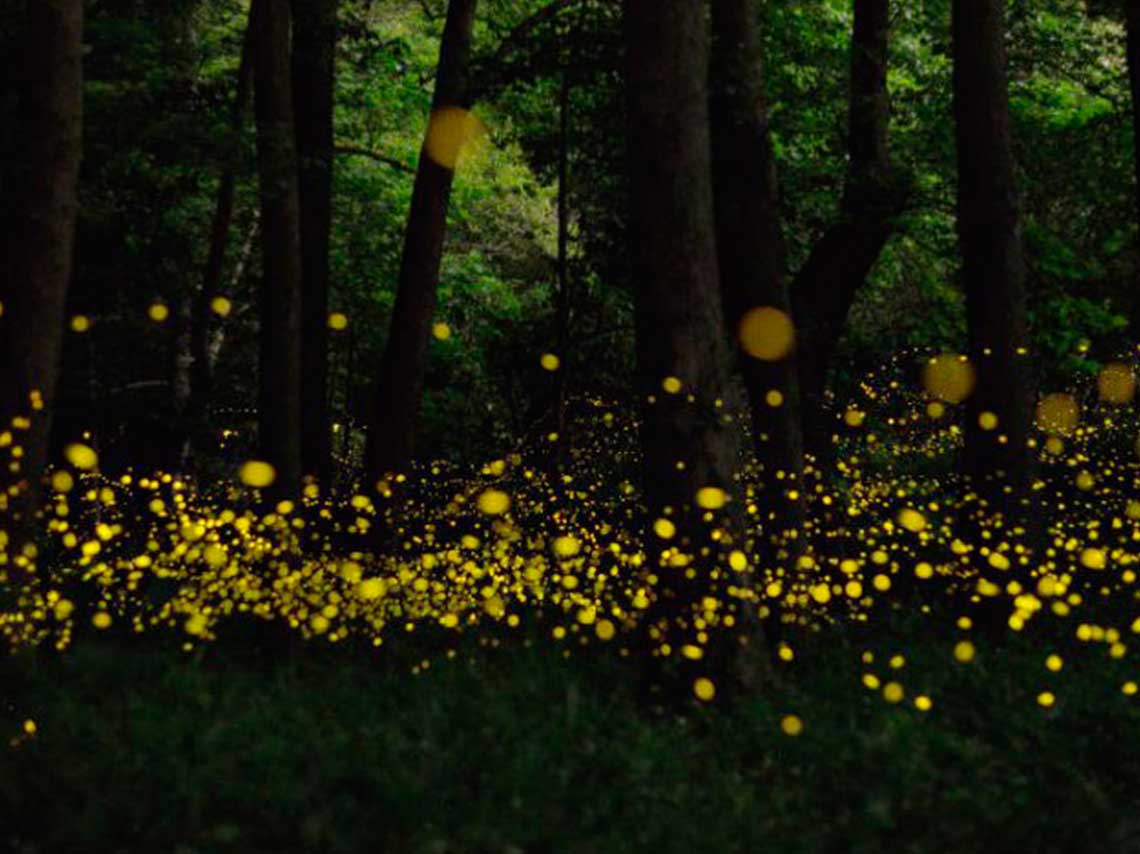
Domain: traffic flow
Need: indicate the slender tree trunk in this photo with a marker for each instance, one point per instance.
(37, 263)
(688, 441)
(841, 260)
(279, 365)
(1132, 25)
(993, 272)
(562, 309)
(193, 403)
(396, 398)
(750, 244)
(314, 80)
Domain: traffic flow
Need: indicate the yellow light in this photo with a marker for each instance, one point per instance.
(949, 378)
(257, 474)
(1058, 414)
(912, 520)
(711, 498)
(1116, 383)
(791, 725)
(704, 689)
(494, 502)
(767, 333)
(81, 456)
(964, 651)
(451, 132)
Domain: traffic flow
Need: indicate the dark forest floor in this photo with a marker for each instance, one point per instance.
(524, 750)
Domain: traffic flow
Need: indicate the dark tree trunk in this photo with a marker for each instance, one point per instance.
(562, 301)
(993, 272)
(396, 398)
(750, 243)
(279, 397)
(195, 401)
(314, 78)
(37, 261)
(688, 441)
(841, 260)
(1132, 24)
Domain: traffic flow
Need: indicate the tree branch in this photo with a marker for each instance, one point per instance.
(361, 151)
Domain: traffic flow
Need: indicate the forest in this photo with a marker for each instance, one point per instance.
(521, 426)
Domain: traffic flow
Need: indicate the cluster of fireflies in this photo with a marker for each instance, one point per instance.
(514, 549)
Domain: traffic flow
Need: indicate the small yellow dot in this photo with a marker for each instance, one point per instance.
(338, 321)
(964, 651)
(257, 474)
(81, 456)
(711, 498)
(791, 725)
(494, 502)
(704, 688)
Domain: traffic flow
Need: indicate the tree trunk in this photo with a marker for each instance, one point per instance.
(279, 397)
(1132, 25)
(314, 79)
(843, 257)
(993, 271)
(562, 299)
(750, 243)
(195, 401)
(38, 258)
(688, 441)
(396, 398)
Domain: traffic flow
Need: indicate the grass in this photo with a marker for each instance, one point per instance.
(519, 749)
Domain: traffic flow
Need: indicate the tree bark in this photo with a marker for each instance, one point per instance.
(279, 396)
(195, 402)
(1132, 28)
(688, 441)
(841, 260)
(563, 302)
(993, 271)
(398, 391)
(750, 242)
(37, 263)
(314, 80)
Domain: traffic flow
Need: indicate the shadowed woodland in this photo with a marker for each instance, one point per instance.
(569, 425)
